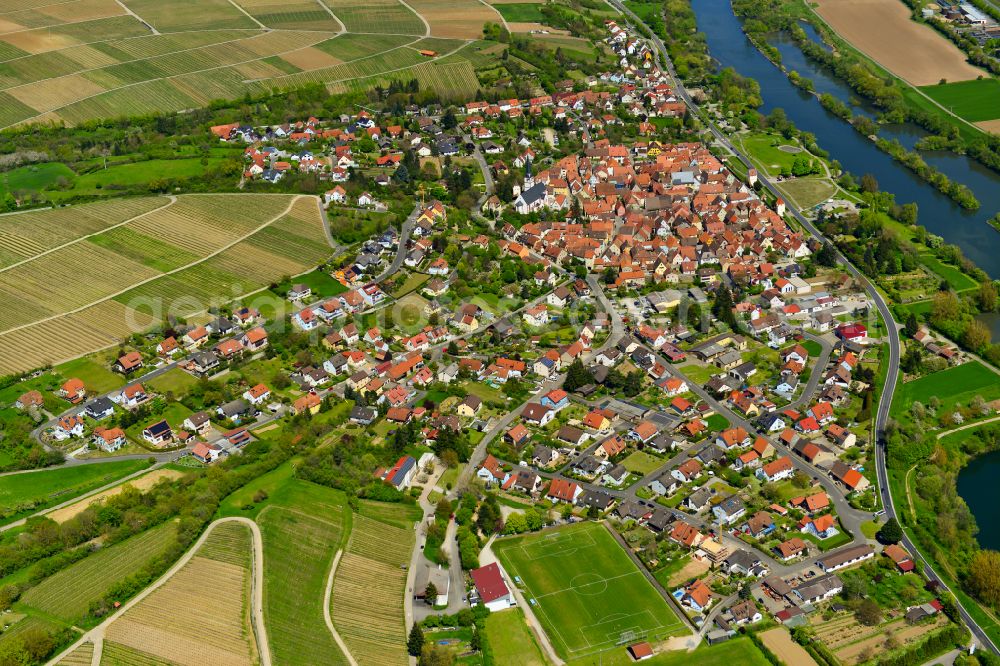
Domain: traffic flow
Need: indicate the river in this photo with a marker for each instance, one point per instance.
(977, 486)
(967, 229)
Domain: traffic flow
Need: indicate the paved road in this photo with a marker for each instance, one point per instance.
(96, 635)
(617, 325)
(404, 239)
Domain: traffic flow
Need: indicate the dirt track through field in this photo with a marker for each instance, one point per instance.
(144, 482)
(883, 30)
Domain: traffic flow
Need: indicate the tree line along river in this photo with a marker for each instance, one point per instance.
(967, 229)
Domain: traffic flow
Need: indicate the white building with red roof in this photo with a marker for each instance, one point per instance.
(491, 588)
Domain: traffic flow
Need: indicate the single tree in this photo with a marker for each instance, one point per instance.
(430, 594)
(891, 532)
(415, 644)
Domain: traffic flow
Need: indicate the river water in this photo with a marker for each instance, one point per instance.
(967, 229)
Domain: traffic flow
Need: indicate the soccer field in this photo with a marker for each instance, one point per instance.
(589, 595)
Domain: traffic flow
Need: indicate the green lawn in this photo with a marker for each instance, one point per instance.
(174, 381)
(412, 282)
(717, 422)
(39, 490)
(586, 588)
(510, 639)
(957, 280)
(737, 651)
(138, 173)
(809, 190)
(699, 374)
(958, 385)
(96, 377)
(765, 150)
(641, 463)
(68, 593)
(321, 283)
(36, 177)
(521, 12)
(813, 347)
(973, 100)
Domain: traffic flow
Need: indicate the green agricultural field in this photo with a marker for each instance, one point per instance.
(302, 526)
(957, 280)
(588, 591)
(35, 491)
(975, 100)
(116, 654)
(68, 593)
(954, 386)
(511, 641)
(138, 173)
(378, 16)
(521, 12)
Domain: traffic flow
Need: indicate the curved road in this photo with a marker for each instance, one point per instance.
(96, 635)
(885, 399)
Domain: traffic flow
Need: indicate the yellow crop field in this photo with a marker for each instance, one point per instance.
(190, 622)
(367, 601)
(884, 31)
(69, 336)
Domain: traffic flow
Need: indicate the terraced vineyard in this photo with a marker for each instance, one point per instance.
(84, 59)
(68, 593)
(367, 601)
(133, 262)
(189, 622)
